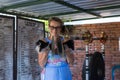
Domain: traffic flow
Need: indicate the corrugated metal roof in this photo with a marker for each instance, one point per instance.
(66, 9)
(44, 9)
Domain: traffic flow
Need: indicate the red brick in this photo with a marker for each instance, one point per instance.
(112, 54)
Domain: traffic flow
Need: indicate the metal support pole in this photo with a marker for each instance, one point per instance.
(87, 63)
(103, 52)
(103, 49)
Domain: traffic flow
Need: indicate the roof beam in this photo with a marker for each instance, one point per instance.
(96, 9)
(106, 8)
(64, 13)
(23, 15)
(75, 7)
(24, 4)
(96, 18)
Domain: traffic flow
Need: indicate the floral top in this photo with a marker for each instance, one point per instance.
(56, 60)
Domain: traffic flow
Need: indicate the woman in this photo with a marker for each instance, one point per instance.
(55, 54)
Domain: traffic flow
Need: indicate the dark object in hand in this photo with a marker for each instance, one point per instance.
(42, 44)
(59, 44)
(69, 43)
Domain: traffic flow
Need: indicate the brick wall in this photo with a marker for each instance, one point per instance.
(112, 53)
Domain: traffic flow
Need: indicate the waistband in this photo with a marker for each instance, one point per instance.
(60, 64)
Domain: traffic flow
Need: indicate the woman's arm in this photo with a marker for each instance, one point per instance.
(69, 55)
(42, 56)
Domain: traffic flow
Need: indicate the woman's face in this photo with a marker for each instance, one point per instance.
(55, 28)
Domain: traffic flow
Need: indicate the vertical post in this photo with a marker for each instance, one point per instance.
(87, 62)
(103, 49)
(103, 39)
(15, 50)
(103, 53)
(87, 37)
